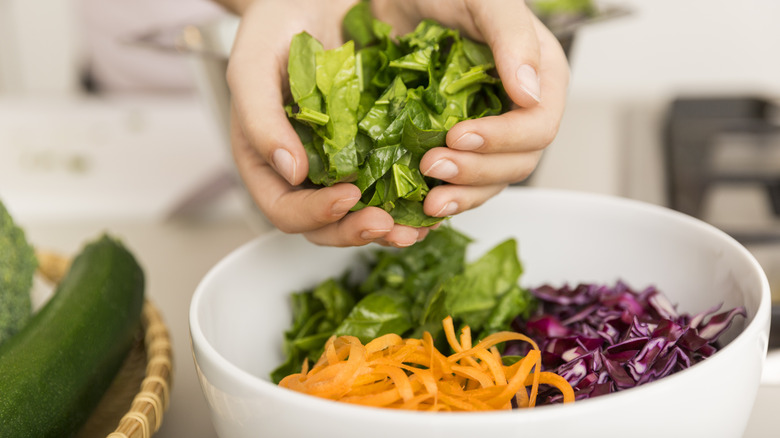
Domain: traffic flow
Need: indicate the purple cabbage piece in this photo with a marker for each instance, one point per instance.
(605, 339)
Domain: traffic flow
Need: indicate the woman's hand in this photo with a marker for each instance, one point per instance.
(482, 156)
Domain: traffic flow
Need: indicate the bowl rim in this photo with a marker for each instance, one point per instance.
(540, 413)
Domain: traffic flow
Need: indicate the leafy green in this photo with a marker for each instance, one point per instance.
(377, 314)
(552, 7)
(17, 267)
(407, 292)
(475, 292)
(302, 85)
(367, 111)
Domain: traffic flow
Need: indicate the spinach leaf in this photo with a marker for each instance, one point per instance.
(335, 298)
(301, 69)
(474, 294)
(312, 144)
(381, 114)
(358, 24)
(337, 80)
(477, 54)
(419, 267)
(380, 161)
(515, 302)
(408, 183)
(375, 315)
(417, 61)
(411, 213)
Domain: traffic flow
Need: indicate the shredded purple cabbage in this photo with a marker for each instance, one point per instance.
(604, 339)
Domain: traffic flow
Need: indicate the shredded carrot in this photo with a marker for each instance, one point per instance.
(412, 374)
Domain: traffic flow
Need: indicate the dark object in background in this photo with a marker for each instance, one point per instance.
(774, 328)
(693, 128)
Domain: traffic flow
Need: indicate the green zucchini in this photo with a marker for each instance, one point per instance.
(54, 371)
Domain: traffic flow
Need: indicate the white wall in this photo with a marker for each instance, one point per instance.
(671, 46)
(39, 47)
(45, 44)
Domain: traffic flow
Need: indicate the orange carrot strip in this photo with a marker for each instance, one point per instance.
(367, 376)
(381, 399)
(496, 367)
(437, 360)
(371, 388)
(494, 351)
(415, 403)
(522, 398)
(449, 332)
(548, 378)
(518, 380)
(463, 404)
(465, 337)
(474, 374)
(343, 370)
(491, 340)
(400, 379)
(425, 377)
(383, 342)
(535, 381)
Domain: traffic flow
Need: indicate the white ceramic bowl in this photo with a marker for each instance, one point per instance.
(240, 309)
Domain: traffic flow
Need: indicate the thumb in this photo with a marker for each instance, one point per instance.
(508, 28)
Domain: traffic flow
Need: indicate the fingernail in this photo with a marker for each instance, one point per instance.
(342, 206)
(529, 81)
(285, 164)
(408, 237)
(373, 234)
(442, 169)
(468, 142)
(448, 209)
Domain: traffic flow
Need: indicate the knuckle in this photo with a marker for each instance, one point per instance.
(547, 134)
(523, 172)
(526, 167)
(281, 224)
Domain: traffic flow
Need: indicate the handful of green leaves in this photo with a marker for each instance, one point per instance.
(367, 111)
(408, 292)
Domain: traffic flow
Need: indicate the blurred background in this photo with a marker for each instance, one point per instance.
(113, 116)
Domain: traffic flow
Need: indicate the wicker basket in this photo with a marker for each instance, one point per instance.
(134, 404)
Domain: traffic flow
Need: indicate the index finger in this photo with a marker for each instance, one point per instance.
(256, 75)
